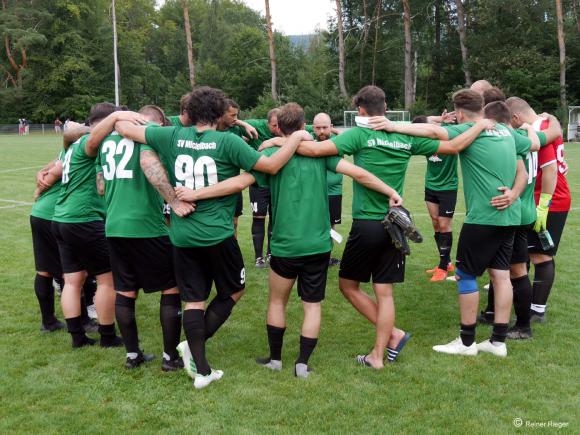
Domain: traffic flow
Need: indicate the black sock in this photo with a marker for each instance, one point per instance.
(490, 308)
(258, 227)
(522, 300)
(269, 231)
(89, 290)
(437, 237)
(45, 295)
(275, 341)
(125, 315)
(544, 276)
(194, 327)
(170, 318)
(216, 314)
(108, 334)
(75, 328)
(84, 313)
(445, 242)
(307, 346)
(467, 334)
(499, 332)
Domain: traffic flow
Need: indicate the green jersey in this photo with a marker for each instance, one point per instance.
(78, 200)
(237, 130)
(385, 155)
(264, 133)
(300, 216)
(134, 207)
(175, 121)
(441, 172)
(334, 183)
(197, 159)
(43, 207)
(487, 164)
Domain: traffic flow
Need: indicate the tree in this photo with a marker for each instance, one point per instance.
(272, 51)
(376, 43)
(365, 41)
(189, 43)
(409, 81)
(339, 21)
(462, 40)
(562, 50)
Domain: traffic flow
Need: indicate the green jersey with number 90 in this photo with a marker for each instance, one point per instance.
(134, 207)
(197, 159)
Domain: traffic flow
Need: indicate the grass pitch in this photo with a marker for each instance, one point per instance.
(48, 388)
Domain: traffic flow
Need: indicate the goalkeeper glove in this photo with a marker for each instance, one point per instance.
(542, 212)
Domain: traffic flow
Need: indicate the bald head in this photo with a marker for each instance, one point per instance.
(521, 111)
(481, 86)
(322, 126)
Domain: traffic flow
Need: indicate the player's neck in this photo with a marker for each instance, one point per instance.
(205, 127)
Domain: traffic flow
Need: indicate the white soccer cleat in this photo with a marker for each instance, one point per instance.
(497, 349)
(202, 381)
(92, 312)
(188, 362)
(456, 347)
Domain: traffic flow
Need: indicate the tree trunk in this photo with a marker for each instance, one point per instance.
(409, 82)
(562, 47)
(462, 40)
(341, 83)
(189, 43)
(376, 44)
(272, 51)
(575, 12)
(365, 41)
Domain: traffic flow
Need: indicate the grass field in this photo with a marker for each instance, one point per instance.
(46, 387)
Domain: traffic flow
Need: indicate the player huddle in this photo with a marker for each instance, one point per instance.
(100, 207)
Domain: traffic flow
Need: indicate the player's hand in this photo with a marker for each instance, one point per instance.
(182, 208)
(395, 200)
(525, 126)
(274, 142)
(486, 124)
(448, 117)
(185, 194)
(303, 134)
(132, 117)
(250, 131)
(501, 202)
(542, 212)
(380, 123)
(40, 180)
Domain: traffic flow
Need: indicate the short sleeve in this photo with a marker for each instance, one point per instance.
(424, 146)
(349, 142)
(523, 144)
(543, 138)
(159, 138)
(262, 179)
(332, 162)
(546, 155)
(240, 153)
(455, 130)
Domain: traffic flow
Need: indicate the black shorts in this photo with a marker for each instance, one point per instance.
(555, 226)
(197, 268)
(484, 246)
(520, 250)
(82, 246)
(335, 208)
(311, 271)
(239, 205)
(46, 256)
(447, 199)
(370, 252)
(259, 200)
(145, 263)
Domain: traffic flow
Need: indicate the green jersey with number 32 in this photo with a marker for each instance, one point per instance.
(197, 159)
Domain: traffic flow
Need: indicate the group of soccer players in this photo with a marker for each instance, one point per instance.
(100, 208)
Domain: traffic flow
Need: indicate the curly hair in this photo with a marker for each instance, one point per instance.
(206, 105)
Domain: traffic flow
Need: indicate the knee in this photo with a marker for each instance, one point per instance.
(238, 295)
(44, 274)
(466, 283)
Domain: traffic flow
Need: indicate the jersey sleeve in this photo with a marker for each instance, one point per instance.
(348, 142)
(543, 139)
(257, 123)
(332, 162)
(424, 146)
(523, 144)
(455, 130)
(262, 179)
(159, 138)
(546, 155)
(240, 153)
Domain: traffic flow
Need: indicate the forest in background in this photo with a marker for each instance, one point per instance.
(56, 55)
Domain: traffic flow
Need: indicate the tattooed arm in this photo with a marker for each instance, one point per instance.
(100, 183)
(157, 176)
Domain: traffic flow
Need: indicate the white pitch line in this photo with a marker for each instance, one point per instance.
(19, 169)
(16, 202)
(15, 206)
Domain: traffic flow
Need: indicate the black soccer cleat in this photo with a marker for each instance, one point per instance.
(111, 341)
(133, 363)
(397, 236)
(53, 326)
(519, 333)
(485, 317)
(172, 365)
(402, 217)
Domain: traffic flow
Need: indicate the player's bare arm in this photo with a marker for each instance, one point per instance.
(370, 181)
(533, 136)
(459, 143)
(104, 128)
(554, 130)
(424, 130)
(508, 196)
(100, 183)
(308, 148)
(131, 131)
(49, 178)
(272, 164)
(250, 131)
(223, 188)
(157, 175)
(71, 135)
(41, 174)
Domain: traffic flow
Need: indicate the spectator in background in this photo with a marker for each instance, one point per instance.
(57, 125)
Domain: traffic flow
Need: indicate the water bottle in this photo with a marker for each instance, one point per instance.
(546, 240)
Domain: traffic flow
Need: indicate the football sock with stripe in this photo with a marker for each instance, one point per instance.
(467, 334)
(499, 333)
(125, 315)
(216, 314)
(194, 327)
(544, 276)
(170, 318)
(522, 300)
(45, 295)
(258, 228)
(445, 243)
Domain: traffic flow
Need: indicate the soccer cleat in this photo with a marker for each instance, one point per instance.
(301, 370)
(202, 381)
(439, 275)
(450, 269)
(114, 341)
(402, 218)
(260, 263)
(91, 325)
(85, 341)
(486, 317)
(187, 358)
(334, 262)
(172, 365)
(92, 312)
(497, 349)
(272, 364)
(536, 317)
(268, 258)
(397, 236)
(519, 333)
(52, 326)
(456, 347)
(133, 363)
